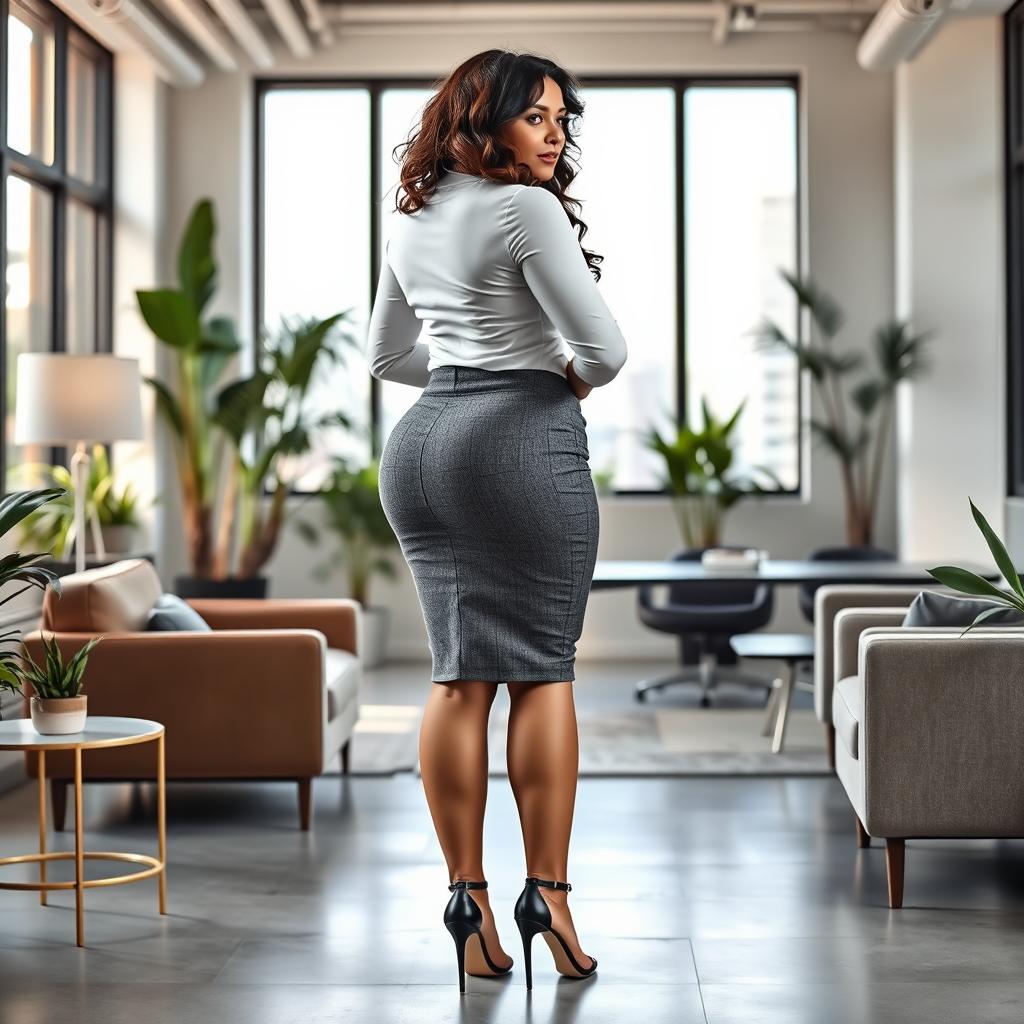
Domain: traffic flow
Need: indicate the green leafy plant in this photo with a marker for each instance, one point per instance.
(271, 413)
(701, 478)
(259, 421)
(16, 567)
(201, 347)
(351, 502)
(55, 677)
(858, 437)
(966, 582)
(52, 526)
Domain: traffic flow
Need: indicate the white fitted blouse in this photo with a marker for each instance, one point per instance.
(494, 276)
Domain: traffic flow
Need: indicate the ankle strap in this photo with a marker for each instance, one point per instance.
(549, 883)
(462, 883)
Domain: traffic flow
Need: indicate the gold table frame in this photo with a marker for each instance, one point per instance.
(154, 865)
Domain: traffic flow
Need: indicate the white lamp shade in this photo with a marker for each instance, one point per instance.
(62, 398)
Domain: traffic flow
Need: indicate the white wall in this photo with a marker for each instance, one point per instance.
(848, 222)
(950, 277)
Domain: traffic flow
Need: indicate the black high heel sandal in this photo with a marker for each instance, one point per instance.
(533, 916)
(463, 918)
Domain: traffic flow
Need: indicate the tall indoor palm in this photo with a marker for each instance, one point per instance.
(859, 436)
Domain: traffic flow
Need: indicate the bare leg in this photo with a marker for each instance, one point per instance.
(543, 763)
(453, 763)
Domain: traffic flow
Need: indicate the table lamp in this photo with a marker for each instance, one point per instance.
(77, 399)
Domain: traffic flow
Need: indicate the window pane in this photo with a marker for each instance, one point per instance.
(81, 278)
(28, 300)
(316, 198)
(400, 112)
(740, 229)
(30, 76)
(634, 228)
(82, 99)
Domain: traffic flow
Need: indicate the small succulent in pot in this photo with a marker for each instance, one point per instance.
(58, 705)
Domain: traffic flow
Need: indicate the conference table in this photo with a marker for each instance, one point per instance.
(617, 573)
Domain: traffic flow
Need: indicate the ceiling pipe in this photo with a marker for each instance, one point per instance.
(898, 31)
(203, 31)
(237, 21)
(171, 61)
(288, 25)
(593, 14)
(316, 23)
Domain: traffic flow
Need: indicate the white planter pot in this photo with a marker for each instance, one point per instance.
(117, 540)
(376, 620)
(58, 716)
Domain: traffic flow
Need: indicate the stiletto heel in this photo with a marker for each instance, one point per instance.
(462, 917)
(533, 916)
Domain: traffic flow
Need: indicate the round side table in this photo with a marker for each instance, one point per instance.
(100, 731)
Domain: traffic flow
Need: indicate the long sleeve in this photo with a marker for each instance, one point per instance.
(544, 246)
(392, 347)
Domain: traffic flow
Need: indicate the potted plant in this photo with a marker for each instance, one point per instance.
(273, 425)
(701, 479)
(858, 438)
(52, 526)
(353, 511)
(16, 567)
(966, 582)
(255, 421)
(58, 706)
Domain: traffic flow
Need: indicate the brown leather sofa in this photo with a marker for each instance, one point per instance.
(271, 693)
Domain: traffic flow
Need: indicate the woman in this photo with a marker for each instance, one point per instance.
(485, 479)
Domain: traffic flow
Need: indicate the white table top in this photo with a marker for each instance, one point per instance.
(100, 731)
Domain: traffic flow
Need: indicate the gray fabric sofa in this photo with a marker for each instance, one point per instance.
(927, 725)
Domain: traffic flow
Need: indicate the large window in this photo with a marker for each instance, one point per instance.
(55, 200)
(690, 189)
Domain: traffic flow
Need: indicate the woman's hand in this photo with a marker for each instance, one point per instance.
(580, 388)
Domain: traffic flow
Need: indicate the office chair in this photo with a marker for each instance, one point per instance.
(704, 615)
(805, 594)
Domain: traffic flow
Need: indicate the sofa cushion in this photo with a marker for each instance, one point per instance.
(342, 680)
(932, 609)
(113, 598)
(845, 708)
(172, 613)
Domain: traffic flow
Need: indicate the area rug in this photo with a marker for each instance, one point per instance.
(624, 742)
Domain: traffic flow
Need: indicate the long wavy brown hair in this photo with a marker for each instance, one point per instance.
(461, 123)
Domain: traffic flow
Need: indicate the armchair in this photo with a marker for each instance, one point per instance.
(829, 600)
(272, 692)
(931, 739)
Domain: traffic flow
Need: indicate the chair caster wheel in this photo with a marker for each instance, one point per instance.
(705, 701)
(641, 696)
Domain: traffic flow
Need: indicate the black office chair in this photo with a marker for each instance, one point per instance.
(704, 615)
(805, 594)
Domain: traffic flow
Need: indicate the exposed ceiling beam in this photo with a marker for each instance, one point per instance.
(243, 28)
(171, 61)
(203, 31)
(287, 23)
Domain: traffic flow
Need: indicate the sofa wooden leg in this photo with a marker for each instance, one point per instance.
(58, 802)
(344, 757)
(863, 839)
(894, 851)
(830, 745)
(305, 793)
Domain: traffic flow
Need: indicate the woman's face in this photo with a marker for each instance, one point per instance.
(539, 130)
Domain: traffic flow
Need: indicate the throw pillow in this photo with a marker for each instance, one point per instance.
(172, 613)
(932, 609)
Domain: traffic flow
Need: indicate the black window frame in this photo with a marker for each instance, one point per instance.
(63, 188)
(375, 87)
(1013, 165)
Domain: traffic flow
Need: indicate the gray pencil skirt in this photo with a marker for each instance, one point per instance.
(486, 483)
